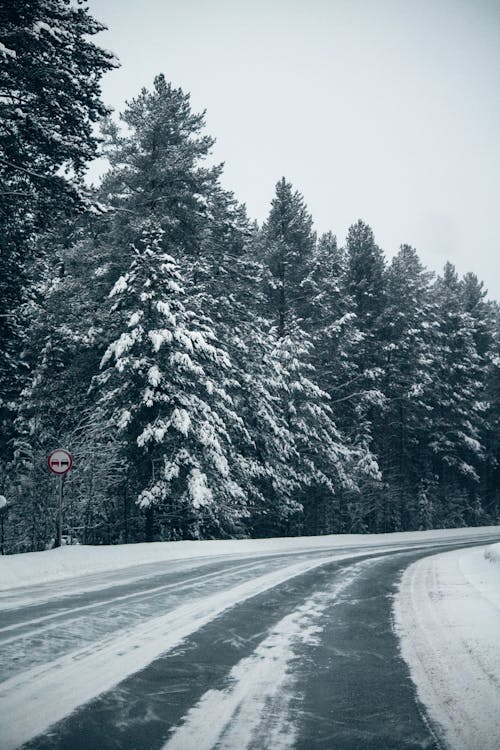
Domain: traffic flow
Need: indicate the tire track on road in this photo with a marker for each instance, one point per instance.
(40, 697)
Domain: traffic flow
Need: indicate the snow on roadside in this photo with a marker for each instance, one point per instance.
(492, 553)
(33, 568)
(447, 616)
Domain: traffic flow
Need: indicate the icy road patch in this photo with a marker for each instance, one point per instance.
(447, 616)
(253, 709)
(39, 697)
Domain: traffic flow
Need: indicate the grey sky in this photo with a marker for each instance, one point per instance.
(386, 110)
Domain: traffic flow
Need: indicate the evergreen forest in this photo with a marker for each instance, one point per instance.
(212, 377)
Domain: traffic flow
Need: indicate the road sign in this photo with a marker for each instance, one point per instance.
(60, 461)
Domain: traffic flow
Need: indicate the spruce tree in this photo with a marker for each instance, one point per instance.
(408, 323)
(157, 169)
(158, 386)
(364, 281)
(327, 462)
(49, 102)
(457, 398)
(288, 242)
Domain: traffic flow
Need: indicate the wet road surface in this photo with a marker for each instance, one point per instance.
(302, 656)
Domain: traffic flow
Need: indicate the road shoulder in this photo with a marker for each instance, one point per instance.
(447, 618)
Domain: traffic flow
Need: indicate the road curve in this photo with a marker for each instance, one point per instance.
(273, 652)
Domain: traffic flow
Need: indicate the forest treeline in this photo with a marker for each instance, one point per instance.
(212, 377)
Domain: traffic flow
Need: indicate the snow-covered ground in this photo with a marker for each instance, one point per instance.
(66, 562)
(447, 616)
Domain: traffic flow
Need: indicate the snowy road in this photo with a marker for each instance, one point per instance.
(258, 651)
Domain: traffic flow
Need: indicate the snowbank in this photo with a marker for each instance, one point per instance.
(447, 616)
(33, 568)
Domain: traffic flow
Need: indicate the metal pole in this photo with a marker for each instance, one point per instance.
(59, 514)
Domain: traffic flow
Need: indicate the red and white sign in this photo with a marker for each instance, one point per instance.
(60, 461)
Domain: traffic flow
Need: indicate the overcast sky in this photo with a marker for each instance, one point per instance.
(385, 110)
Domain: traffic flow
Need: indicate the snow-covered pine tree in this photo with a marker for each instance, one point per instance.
(491, 474)
(326, 312)
(328, 317)
(365, 277)
(49, 102)
(157, 171)
(46, 409)
(326, 461)
(269, 458)
(173, 414)
(457, 397)
(288, 242)
(327, 465)
(408, 323)
(157, 168)
(228, 284)
(359, 399)
(482, 312)
(61, 355)
(485, 317)
(365, 285)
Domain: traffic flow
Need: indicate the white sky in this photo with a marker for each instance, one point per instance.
(386, 110)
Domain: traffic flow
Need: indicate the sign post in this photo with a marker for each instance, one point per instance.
(3, 510)
(59, 462)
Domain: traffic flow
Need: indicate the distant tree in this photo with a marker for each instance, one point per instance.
(456, 396)
(327, 464)
(288, 242)
(409, 324)
(490, 476)
(327, 313)
(303, 299)
(364, 281)
(365, 278)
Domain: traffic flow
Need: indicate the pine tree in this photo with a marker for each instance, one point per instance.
(158, 387)
(360, 397)
(288, 242)
(49, 101)
(157, 169)
(408, 323)
(365, 285)
(61, 359)
(365, 277)
(483, 319)
(326, 461)
(491, 432)
(328, 317)
(457, 398)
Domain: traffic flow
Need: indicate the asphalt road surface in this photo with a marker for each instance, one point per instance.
(266, 653)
